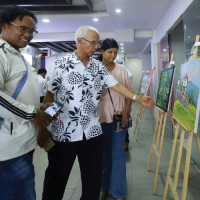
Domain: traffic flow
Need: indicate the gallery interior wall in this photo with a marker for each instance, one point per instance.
(134, 65)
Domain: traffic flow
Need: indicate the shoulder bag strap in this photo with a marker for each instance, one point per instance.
(22, 82)
(111, 99)
(19, 87)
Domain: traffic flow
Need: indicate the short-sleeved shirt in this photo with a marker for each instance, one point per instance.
(79, 89)
(106, 109)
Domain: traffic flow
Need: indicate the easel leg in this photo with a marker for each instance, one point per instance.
(173, 125)
(141, 118)
(187, 166)
(138, 118)
(198, 142)
(171, 162)
(154, 138)
(159, 154)
(180, 150)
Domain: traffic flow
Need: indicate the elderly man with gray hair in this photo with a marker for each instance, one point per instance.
(76, 81)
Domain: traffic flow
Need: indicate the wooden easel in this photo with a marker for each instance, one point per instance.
(158, 136)
(140, 117)
(135, 103)
(139, 120)
(160, 124)
(169, 181)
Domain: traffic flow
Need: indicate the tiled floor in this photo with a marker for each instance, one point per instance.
(140, 182)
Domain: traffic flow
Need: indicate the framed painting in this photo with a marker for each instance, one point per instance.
(165, 87)
(187, 96)
(144, 83)
(149, 82)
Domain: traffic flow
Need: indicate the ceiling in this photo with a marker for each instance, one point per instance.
(133, 26)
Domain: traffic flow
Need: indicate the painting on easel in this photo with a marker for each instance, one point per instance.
(164, 90)
(149, 82)
(144, 83)
(186, 105)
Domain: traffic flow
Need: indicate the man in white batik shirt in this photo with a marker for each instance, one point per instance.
(79, 89)
(76, 82)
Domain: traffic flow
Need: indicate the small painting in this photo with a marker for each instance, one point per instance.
(186, 105)
(164, 90)
(144, 83)
(149, 82)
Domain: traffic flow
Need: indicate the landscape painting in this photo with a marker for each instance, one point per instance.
(164, 90)
(186, 105)
(144, 83)
(149, 82)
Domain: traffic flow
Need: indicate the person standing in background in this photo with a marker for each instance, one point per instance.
(19, 106)
(113, 166)
(41, 80)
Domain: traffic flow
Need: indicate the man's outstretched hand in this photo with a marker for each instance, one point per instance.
(148, 102)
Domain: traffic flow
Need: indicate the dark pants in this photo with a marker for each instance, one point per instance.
(61, 159)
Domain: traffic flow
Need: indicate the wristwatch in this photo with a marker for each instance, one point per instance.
(134, 97)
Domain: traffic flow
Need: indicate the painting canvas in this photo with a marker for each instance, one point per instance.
(144, 83)
(164, 90)
(149, 82)
(186, 105)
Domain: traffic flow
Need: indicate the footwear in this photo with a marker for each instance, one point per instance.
(103, 195)
(126, 146)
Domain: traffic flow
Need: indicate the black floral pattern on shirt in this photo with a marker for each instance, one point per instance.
(79, 88)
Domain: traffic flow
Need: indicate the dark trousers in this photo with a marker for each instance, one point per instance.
(61, 159)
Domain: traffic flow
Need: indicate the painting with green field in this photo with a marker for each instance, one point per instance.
(186, 105)
(164, 90)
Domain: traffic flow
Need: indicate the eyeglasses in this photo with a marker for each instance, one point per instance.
(25, 29)
(93, 43)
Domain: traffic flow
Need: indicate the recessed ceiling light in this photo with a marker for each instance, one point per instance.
(46, 20)
(118, 10)
(122, 47)
(121, 44)
(95, 19)
(122, 51)
(164, 50)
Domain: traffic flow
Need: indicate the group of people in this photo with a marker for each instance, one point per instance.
(79, 82)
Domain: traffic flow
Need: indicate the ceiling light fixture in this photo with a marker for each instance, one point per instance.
(118, 10)
(95, 19)
(46, 20)
(121, 44)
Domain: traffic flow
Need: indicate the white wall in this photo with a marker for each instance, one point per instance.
(173, 13)
(146, 62)
(134, 65)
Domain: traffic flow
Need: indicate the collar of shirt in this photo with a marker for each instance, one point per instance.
(8, 46)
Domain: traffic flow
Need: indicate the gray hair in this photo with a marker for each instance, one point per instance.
(82, 32)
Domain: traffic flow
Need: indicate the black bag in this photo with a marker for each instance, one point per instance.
(117, 126)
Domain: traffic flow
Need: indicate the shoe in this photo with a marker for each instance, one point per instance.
(126, 146)
(103, 195)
